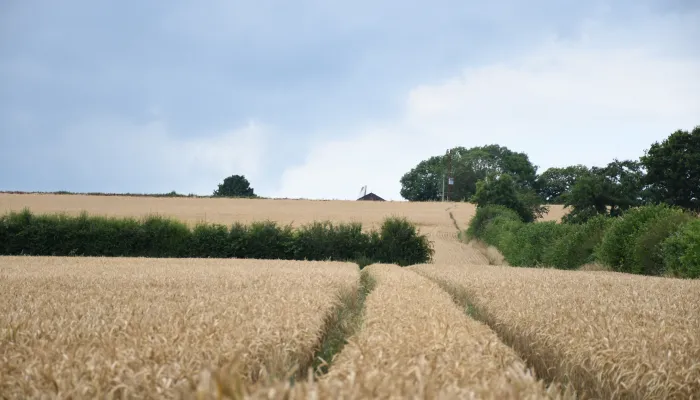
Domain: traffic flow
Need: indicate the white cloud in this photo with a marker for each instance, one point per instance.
(565, 103)
(152, 159)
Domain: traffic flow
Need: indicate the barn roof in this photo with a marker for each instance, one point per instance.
(371, 197)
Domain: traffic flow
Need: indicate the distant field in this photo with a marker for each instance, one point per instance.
(226, 211)
(433, 218)
(102, 327)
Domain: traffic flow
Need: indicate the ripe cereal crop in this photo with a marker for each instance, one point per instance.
(439, 221)
(610, 335)
(416, 343)
(148, 328)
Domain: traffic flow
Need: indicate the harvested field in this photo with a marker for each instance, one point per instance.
(416, 343)
(147, 328)
(611, 335)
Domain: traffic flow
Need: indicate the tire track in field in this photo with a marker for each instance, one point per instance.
(449, 248)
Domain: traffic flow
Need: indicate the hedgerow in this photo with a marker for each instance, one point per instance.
(648, 240)
(24, 233)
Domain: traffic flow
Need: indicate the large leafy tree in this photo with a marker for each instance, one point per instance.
(503, 190)
(424, 182)
(673, 169)
(234, 186)
(609, 190)
(553, 183)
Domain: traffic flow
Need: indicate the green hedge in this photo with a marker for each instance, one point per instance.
(681, 251)
(24, 233)
(649, 240)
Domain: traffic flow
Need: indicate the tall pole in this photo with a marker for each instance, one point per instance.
(443, 186)
(449, 174)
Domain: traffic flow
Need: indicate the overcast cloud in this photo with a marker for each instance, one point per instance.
(316, 99)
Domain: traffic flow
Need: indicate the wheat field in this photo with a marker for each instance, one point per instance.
(611, 335)
(455, 328)
(147, 328)
(440, 221)
(416, 343)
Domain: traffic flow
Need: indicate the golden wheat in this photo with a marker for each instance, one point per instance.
(439, 221)
(611, 335)
(416, 343)
(147, 328)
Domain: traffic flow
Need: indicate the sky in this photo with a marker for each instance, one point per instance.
(315, 99)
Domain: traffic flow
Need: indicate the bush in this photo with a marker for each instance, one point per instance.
(616, 248)
(400, 243)
(681, 251)
(397, 242)
(576, 243)
(502, 190)
(269, 241)
(323, 240)
(528, 242)
(211, 240)
(484, 215)
(647, 255)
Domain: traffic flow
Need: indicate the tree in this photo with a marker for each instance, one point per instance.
(503, 190)
(553, 183)
(235, 186)
(609, 190)
(673, 169)
(424, 182)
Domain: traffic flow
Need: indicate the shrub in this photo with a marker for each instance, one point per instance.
(323, 240)
(502, 232)
(502, 190)
(210, 241)
(681, 251)
(163, 237)
(529, 241)
(400, 243)
(397, 242)
(647, 256)
(616, 248)
(484, 215)
(576, 243)
(268, 240)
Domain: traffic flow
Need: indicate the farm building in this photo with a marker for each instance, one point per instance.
(370, 197)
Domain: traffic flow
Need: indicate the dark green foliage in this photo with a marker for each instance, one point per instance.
(524, 245)
(213, 240)
(502, 190)
(554, 183)
(673, 169)
(646, 250)
(160, 237)
(616, 248)
(484, 215)
(576, 243)
(323, 240)
(611, 190)
(234, 186)
(398, 241)
(425, 181)
(681, 251)
(268, 240)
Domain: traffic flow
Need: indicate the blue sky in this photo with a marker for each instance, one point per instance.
(317, 98)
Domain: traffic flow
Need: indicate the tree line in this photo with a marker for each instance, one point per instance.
(668, 172)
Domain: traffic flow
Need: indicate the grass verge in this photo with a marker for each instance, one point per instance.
(343, 322)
